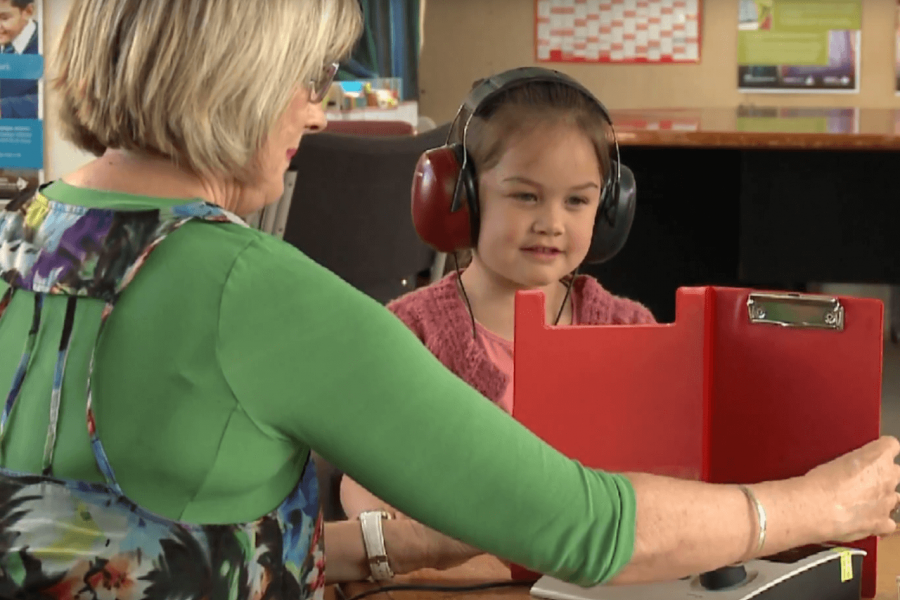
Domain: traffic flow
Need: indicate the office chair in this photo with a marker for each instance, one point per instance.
(349, 209)
(370, 127)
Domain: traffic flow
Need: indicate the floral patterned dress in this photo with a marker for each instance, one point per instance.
(80, 540)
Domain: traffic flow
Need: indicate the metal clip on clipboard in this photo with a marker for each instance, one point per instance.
(796, 310)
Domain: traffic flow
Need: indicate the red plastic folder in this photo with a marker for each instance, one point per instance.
(744, 386)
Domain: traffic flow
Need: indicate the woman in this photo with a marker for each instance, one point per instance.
(210, 358)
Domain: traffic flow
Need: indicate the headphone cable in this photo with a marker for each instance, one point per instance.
(465, 296)
(462, 289)
(569, 283)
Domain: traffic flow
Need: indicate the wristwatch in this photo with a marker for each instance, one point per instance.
(373, 540)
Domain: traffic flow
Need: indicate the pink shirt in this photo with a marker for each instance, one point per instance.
(437, 315)
(499, 351)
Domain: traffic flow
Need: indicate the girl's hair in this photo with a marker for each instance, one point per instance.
(201, 82)
(524, 108)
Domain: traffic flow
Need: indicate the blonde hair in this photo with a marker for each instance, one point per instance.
(201, 82)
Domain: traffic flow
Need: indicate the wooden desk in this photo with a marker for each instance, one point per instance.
(488, 568)
(478, 570)
(761, 197)
(761, 127)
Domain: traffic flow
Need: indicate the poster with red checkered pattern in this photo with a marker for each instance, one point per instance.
(617, 31)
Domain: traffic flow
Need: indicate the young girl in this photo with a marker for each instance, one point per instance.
(537, 152)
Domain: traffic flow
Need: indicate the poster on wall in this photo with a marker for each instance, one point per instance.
(21, 96)
(765, 119)
(799, 45)
(617, 31)
(897, 51)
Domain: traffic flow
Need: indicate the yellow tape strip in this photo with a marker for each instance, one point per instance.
(846, 566)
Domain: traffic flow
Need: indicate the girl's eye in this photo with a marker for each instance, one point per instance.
(525, 196)
(578, 200)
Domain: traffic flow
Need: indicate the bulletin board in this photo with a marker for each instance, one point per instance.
(617, 31)
(21, 101)
(799, 46)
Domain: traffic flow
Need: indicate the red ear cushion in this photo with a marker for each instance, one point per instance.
(432, 198)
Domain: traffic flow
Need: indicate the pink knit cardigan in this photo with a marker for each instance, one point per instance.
(438, 317)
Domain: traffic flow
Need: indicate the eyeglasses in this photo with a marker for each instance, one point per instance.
(318, 88)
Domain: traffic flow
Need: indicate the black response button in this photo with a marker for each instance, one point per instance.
(724, 578)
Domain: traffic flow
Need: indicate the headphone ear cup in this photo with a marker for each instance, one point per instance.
(614, 218)
(439, 178)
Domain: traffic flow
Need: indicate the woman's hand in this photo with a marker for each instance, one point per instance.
(686, 527)
(862, 487)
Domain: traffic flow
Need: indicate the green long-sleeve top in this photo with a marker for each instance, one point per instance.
(232, 354)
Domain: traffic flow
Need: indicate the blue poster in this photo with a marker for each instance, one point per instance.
(21, 102)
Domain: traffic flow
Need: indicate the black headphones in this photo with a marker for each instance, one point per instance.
(445, 189)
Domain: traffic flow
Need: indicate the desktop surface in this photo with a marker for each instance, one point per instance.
(750, 127)
(488, 568)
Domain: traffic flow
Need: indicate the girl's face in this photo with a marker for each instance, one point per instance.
(538, 206)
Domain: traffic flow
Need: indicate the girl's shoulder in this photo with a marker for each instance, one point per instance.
(431, 308)
(597, 306)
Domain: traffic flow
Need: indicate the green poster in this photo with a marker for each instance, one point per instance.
(799, 45)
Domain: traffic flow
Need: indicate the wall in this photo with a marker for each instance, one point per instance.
(468, 39)
(60, 156)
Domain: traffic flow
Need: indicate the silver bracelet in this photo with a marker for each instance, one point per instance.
(760, 517)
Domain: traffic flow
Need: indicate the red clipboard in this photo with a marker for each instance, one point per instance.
(744, 386)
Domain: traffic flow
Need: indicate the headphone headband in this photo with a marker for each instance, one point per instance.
(489, 88)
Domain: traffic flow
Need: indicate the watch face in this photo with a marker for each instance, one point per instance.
(381, 513)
